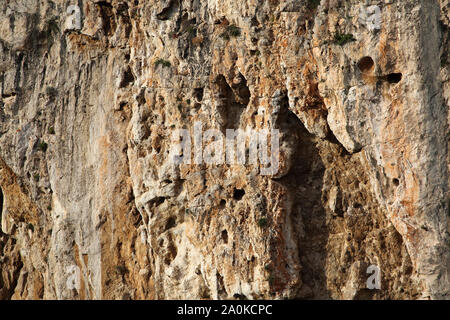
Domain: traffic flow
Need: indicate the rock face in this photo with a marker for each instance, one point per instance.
(93, 206)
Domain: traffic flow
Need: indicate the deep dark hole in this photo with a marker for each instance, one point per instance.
(127, 78)
(394, 77)
(357, 205)
(159, 201)
(366, 64)
(238, 194)
(222, 203)
(198, 92)
(171, 222)
(225, 236)
(396, 182)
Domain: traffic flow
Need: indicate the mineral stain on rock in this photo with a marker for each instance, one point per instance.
(358, 91)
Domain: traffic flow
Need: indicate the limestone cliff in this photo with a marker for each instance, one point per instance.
(92, 91)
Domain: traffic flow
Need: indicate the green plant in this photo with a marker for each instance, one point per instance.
(231, 31)
(234, 31)
(36, 177)
(49, 208)
(342, 39)
(162, 62)
(188, 101)
(30, 226)
(43, 146)
(51, 130)
(262, 222)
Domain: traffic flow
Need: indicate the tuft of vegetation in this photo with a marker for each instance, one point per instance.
(49, 208)
(36, 178)
(30, 226)
(43, 146)
(51, 130)
(231, 31)
(162, 62)
(342, 39)
(262, 222)
(234, 31)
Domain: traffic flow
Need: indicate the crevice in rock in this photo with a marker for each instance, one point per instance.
(107, 14)
(304, 181)
(168, 11)
(225, 236)
(127, 78)
(171, 222)
(231, 105)
(221, 292)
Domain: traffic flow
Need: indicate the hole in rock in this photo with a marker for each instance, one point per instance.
(107, 14)
(305, 181)
(171, 222)
(127, 78)
(394, 77)
(238, 194)
(198, 93)
(366, 64)
(396, 182)
(225, 236)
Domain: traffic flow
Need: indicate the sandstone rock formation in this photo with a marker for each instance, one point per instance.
(91, 92)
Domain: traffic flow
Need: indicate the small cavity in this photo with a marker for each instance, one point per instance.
(366, 64)
(394, 77)
(238, 194)
(225, 236)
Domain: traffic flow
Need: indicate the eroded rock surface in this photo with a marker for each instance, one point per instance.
(359, 91)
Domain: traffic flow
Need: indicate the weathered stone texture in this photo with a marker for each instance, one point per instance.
(86, 177)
